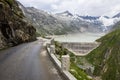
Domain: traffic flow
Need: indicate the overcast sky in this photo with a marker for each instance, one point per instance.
(81, 7)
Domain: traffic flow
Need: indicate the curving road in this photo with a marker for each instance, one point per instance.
(27, 61)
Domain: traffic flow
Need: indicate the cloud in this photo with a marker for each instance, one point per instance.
(81, 7)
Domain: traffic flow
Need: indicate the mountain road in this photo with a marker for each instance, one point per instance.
(28, 61)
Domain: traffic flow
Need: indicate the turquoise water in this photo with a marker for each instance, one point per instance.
(79, 37)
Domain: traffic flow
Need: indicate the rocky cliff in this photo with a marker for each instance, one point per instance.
(14, 28)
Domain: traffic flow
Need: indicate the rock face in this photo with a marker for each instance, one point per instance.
(14, 28)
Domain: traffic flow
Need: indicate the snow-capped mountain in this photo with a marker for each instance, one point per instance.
(89, 17)
(66, 13)
(82, 24)
(46, 23)
(104, 21)
(66, 22)
(117, 16)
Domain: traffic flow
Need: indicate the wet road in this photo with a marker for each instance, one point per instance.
(27, 61)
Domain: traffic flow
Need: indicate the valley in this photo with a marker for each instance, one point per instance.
(39, 41)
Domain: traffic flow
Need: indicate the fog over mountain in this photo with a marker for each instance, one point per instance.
(82, 7)
(66, 22)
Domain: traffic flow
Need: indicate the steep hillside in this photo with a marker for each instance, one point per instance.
(117, 26)
(45, 23)
(106, 58)
(14, 28)
(60, 23)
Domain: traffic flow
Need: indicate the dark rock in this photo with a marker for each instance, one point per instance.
(14, 28)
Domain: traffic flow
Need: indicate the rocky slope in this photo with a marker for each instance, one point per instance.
(61, 23)
(77, 22)
(45, 23)
(106, 58)
(66, 22)
(14, 28)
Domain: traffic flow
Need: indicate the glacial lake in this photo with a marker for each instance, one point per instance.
(79, 37)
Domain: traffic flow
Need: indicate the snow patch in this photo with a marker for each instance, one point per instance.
(106, 22)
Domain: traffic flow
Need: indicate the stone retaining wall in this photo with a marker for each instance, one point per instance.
(65, 74)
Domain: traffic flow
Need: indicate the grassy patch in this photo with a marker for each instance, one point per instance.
(106, 58)
(77, 72)
(59, 49)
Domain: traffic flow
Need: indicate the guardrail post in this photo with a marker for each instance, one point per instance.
(52, 49)
(48, 43)
(65, 62)
(52, 41)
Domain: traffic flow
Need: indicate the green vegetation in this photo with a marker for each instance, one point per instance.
(74, 69)
(40, 35)
(59, 49)
(10, 2)
(106, 58)
(77, 72)
(60, 32)
(63, 31)
(15, 9)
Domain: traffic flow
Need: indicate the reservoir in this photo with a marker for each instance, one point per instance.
(79, 37)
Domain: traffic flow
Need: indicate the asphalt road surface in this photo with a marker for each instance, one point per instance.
(27, 61)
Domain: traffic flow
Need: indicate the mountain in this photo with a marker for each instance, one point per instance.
(104, 21)
(60, 23)
(106, 57)
(117, 16)
(84, 25)
(107, 17)
(89, 17)
(66, 13)
(66, 22)
(116, 26)
(46, 23)
(14, 28)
